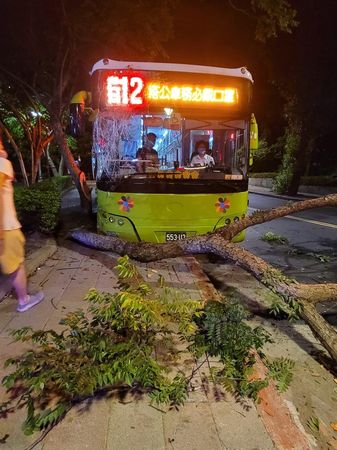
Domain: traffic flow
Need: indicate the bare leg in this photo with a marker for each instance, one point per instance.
(19, 281)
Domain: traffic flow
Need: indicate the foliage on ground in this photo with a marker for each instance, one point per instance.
(115, 345)
(283, 305)
(38, 206)
(321, 257)
(269, 236)
(280, 370)
(223, 333)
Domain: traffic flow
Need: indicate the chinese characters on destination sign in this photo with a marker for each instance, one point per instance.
(132, 90)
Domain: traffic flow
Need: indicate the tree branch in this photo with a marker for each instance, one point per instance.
(258, 217)
(240, 10)
(317, 293)
(218, 243)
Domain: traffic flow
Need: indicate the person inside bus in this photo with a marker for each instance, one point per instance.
(147, 156)
(200, 157)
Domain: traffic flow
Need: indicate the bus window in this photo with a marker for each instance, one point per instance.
(227, 144)
(121, 150)
(120, 145)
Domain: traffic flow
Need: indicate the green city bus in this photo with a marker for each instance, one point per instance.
(181, 105)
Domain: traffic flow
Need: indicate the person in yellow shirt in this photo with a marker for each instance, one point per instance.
(12, 240)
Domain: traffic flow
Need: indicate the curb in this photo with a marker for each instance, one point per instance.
(276, 414)
(36, 259)
(284, 197)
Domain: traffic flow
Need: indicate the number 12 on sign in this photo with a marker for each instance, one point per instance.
(125, 90)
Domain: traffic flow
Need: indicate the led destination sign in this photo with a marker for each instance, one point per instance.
(194, 94)
(135, 91)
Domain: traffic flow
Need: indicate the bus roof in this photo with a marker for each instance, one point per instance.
(111, 64)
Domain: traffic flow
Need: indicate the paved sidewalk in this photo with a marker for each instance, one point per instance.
(202, 423)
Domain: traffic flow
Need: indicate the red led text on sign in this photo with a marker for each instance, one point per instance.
(125, 90)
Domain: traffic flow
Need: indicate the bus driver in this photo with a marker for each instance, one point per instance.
(147, 156)
(201, 158)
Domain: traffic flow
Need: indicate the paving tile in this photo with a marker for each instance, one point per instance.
(85, 427)
(35, 317)
(16, 439)
(135, 425)
(191, 428)
(251, 434)
(7, 313)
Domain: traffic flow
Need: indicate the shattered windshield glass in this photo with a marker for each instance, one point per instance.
(128, 145)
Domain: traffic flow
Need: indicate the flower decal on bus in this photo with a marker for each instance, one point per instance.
(126, 203)
(222, 205)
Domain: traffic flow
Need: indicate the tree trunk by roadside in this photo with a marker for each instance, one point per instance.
(310, 150)
(219, 243)
(61, 166)
(18, 153)
(76, 174)
(302, 164)
(51, 162)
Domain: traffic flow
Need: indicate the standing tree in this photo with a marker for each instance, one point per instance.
(30, 122)
(56, 44)
(304, 75)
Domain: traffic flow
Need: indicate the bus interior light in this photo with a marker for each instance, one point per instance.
(168, 111)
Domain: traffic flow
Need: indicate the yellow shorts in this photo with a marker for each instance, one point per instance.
(13, 253)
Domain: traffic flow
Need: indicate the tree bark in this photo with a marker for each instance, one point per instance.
(218, 243)
(76, 174)
(18, 153)
(259, 217)
(61, 166)
(51, 162)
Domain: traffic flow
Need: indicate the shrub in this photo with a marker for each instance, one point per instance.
(117, 346)
(38, 206)
(286, 171)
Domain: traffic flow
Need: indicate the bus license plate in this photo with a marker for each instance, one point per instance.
(176, 236)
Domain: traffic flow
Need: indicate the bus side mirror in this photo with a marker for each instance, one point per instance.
(254, 139)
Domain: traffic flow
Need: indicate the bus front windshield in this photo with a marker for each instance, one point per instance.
(139, 144)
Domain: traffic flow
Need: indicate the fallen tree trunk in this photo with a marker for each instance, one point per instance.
(218, 243)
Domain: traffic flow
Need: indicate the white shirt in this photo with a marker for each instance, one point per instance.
(9, 219)
(205, 161)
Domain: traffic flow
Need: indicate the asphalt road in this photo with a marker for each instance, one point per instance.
(311, 254)
(313, 230)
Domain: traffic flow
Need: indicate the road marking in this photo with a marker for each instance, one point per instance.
(301, 219)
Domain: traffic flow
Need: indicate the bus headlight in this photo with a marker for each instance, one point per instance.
(120, 222)
(112, 219)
